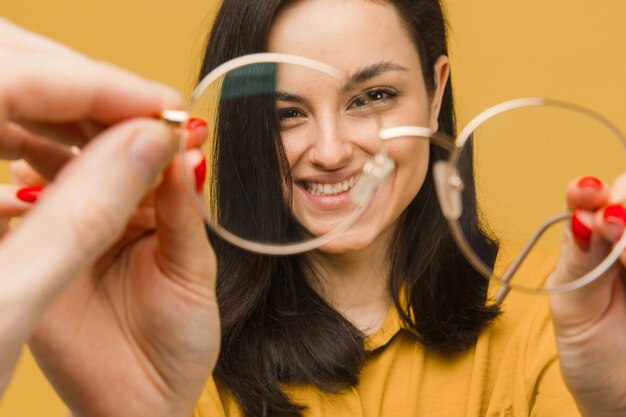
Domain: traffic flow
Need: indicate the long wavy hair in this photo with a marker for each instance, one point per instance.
(276, 329)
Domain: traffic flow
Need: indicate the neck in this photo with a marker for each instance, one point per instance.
(355, 283)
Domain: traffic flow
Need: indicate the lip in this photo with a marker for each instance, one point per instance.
(326, 202)
(327, 178)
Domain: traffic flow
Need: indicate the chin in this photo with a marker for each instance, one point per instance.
(373, 228)
(350, 241)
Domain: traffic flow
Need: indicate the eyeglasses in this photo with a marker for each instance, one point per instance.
(524, 153)
(506, 171)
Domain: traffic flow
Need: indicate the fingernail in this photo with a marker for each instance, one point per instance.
(200, 173)
(615, 218)
(194, 122)
(618, 190)
(580, 230)
(29, 194)
(151, 149)
(590, 182)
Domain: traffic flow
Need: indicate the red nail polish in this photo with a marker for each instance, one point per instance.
(615, 214)
(29, 194)
(194, 122)
(591, 182)
(615, 220)
(580, 231)
(200, 173)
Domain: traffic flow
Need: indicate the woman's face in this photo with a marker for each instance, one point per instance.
(328, 135)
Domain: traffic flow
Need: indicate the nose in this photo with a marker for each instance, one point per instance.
(331, 148)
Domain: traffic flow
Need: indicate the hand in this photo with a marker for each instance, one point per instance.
(590, 323)
(137, 333)
(51, 96)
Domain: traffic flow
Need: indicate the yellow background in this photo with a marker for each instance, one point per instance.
(573, 51)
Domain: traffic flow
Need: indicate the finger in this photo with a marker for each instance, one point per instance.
(611, 221)
(142, 222)
(196, 132)
(587, 193)
(183, 244)
(618, 197)
(618, 190)
(612, 218)
(23, 174)
(46, 157)
(87, 207)
(67, 92)
(75, 89)
(14, 202)
(72, 134)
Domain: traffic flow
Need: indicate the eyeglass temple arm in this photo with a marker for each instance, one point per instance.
(418, 131)
(508, 274)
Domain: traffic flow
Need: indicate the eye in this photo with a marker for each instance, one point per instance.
(373, 97)
(287, 114)
(290, 117)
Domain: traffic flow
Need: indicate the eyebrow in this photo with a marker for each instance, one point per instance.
(283, 95)
(361, 75)
(374, 70)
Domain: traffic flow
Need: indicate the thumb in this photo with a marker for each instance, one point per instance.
(86, 209)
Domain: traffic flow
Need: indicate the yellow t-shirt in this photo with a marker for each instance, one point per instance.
(512, 371)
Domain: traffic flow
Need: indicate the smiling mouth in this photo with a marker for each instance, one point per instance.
(329, 189)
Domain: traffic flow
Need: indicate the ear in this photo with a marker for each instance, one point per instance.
(441, 74)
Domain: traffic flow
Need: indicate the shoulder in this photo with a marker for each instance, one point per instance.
(216, 402)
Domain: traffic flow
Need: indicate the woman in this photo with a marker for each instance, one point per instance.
(388, 319)
(393, 247)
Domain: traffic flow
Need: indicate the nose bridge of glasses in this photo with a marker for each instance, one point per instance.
(448, 183)
(374, 173)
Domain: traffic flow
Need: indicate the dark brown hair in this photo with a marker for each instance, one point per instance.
(276, 329)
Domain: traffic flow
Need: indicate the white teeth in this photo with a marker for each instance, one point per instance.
(317, 188)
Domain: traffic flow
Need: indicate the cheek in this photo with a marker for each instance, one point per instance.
(294, 146)
(412, 108)
(411, 159)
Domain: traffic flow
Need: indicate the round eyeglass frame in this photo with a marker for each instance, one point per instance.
(374, 172)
